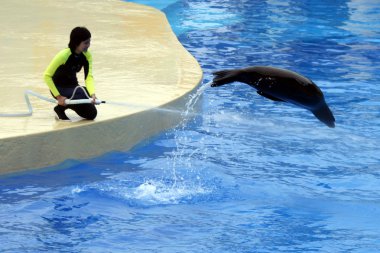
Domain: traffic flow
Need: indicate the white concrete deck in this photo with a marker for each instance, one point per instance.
(137, 60)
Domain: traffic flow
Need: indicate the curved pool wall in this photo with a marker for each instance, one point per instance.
(138, 61)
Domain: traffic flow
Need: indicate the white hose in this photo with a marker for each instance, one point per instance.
(51, 100)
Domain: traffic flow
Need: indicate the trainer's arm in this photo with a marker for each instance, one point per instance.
(89, 79)
(57, 61)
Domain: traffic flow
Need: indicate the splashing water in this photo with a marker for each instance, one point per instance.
(147, 192)
(177, 157)
(194, 98)
(157, 192)
(180, 181)
(177, 180)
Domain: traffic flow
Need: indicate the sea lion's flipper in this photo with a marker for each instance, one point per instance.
(224, 77)
(269, 96)
(325, 115)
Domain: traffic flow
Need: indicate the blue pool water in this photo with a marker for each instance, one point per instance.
(247, 174)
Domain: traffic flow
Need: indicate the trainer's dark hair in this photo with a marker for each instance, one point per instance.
(77, 35)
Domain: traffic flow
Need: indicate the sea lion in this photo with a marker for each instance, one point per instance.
(280, 85)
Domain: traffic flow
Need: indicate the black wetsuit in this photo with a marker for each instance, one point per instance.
(61, 77)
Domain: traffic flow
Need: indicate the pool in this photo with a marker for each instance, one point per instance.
(245, 175)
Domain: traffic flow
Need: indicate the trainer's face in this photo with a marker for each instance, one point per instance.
(83, 46)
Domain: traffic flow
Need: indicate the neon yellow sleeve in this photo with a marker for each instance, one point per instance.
(89, 79)
(57, 61)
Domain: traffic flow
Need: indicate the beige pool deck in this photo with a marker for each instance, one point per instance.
(137, 59)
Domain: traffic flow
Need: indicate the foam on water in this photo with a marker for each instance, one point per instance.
(157, 192)
(147, 193)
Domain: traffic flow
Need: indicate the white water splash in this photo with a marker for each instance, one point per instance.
(150, 192)
(156, 192)
(181, 184)
(178, 158)
(194, 98)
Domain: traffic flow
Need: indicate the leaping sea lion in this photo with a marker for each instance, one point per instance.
(280, 85)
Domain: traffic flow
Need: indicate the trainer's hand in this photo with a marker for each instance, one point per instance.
(93, 98)
(61, 100)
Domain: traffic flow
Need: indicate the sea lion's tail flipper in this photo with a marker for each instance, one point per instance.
(325, 115)
(224, 77)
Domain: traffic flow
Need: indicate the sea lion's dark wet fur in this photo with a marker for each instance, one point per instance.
(280, 85)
